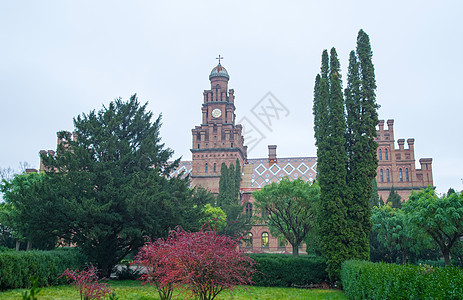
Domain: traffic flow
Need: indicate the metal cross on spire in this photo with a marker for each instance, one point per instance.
(219, 58)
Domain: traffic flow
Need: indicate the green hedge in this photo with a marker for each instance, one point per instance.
(285, 271)
(367, 280)
(17, 267)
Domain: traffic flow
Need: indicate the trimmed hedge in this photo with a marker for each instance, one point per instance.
(367, 280)
(285, 271)
(17, 267)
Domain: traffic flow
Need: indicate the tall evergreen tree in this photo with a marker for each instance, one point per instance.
(394, 199)
(374, 198)
(362, 118)
(332, 162)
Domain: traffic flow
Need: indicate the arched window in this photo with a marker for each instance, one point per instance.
(387, 175)
(206, 168)
(400, 175)
(380, 152)
(281, 243)
(406, 174)
(215, 168)
(265, 240)
(248, 240)
(381, 175)
(386, 154)
(249, 209)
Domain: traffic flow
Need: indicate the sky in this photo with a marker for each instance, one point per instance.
(59, 59)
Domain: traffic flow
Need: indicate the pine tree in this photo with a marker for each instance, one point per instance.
(332, 164)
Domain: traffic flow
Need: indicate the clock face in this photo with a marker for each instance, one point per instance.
(216, 113)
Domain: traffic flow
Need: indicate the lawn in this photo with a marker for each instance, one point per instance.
(133, 290)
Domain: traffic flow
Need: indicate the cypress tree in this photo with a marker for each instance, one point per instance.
(394, 199)
(362, 118)
(332, 162)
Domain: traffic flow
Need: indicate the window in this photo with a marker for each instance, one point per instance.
(406, 174)
(265, 240)
(400, 175)
(386, 154)
(380, 152)
(231, 145)
(387, 175)
(198, 136)
(215, 168)
(281, 243)
(264, 214)
(248, 240)
(381, 175)
(249, 209)
(198, 146)
(206, 168)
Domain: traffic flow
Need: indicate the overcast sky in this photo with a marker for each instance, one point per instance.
(61, 58)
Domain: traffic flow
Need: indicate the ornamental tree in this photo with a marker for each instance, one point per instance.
(204, 261)
(86, 282)
(439, 217)
(291, 209)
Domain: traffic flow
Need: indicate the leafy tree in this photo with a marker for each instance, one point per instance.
(29, 209)
(205, 262)
(394, 233)
(291, 208)
(394, 199)
(228, 199)
(215, 216)
(440, 218)
(112, 185)
(330, 130)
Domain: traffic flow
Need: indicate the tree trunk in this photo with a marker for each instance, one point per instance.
(18, 243)
(446, 253)
(29, 246)
(295, 250)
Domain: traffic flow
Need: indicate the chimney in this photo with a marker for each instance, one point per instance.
(401, 143)
(272, 154)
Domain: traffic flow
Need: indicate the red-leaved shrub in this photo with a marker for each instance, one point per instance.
(205, 262)
(86, 282)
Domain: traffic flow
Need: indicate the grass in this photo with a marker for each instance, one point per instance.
(133, 290)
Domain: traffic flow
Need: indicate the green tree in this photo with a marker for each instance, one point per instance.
(229, 200)
(332, 164)
(394, 199)
(29, 209)
(362, 118)
(440, 218)
(291, 209)
(112, 182)
(374, 198)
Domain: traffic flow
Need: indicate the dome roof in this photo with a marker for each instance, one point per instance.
(219, 71)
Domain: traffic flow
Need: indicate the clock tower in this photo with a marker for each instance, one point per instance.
(218, 139)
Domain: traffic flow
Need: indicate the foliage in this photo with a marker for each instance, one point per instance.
(86, 282)
(206, 262)
(346, 154)
(228, 200)
(440, 218)
(110, 186)
(331, 164)
(393, 231)
(34, 290)
(374, 198)
(394, 199)
(216, 217)
(367, 280)
(286, 270)
(24, 211)
(133, 290)
(17, 267)
(291, 208)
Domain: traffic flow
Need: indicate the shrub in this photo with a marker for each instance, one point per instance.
(17, 267)
(367, 280)
(206, 262)
(86, 282)
(286, 271)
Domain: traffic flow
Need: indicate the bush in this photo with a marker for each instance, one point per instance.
(286, 271)
(18, 267)
(367, 280)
